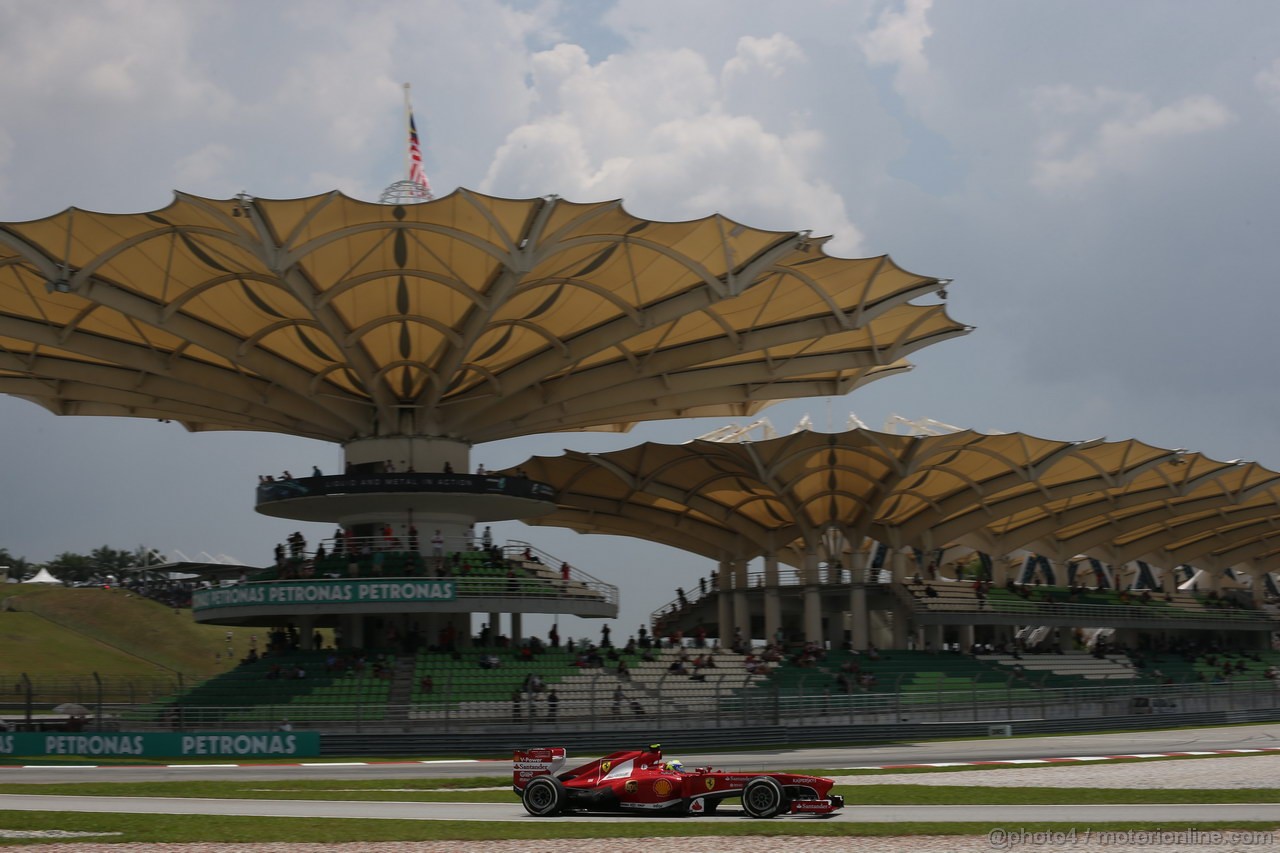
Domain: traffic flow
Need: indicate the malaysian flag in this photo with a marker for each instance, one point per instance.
(417, 174)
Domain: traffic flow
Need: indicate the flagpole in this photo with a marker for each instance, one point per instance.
(408, 118)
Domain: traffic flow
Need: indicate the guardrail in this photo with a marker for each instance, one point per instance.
(411, 482)
(731, 704)
(1086, 612)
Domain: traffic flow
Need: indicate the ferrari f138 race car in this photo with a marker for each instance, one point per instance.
(641, 781)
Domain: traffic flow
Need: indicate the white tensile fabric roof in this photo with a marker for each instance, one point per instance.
(470, 316)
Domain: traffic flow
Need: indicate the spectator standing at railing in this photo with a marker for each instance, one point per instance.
(564, 573)
(554, 636)
(604, 635)
(437, 548)
(486, 539)
(315, 471)
(553, 704)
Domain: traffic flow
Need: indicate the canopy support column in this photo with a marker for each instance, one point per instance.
(772, 599)
(741, 608)
(812, 600)
(724, 609)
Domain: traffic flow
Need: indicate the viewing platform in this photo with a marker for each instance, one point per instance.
(400, 582)
(482, 497)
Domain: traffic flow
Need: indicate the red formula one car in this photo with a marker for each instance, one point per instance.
(639, 780)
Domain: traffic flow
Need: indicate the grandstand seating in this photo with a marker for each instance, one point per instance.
(251, 692)
(1049, 600)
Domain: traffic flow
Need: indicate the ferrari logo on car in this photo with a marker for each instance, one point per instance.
(662, 787)
(631, 787)
(711, 783)
(605, 765)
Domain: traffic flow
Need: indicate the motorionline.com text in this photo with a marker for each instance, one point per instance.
(1010, 839)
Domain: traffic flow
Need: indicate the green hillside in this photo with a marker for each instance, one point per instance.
(55, 632)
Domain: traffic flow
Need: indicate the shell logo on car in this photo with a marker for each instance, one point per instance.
(662, 787)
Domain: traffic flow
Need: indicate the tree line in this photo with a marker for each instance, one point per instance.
(70, 567)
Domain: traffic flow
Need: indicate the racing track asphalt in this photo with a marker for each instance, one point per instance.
(1238, 737)
(1080, 814)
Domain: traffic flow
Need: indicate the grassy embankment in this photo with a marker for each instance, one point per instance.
(53, 632)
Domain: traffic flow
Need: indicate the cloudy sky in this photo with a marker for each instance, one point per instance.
(1100, 179)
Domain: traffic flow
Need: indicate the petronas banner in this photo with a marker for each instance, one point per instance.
(336, 591)
(161, 745)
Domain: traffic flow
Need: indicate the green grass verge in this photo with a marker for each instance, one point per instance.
(165, 829)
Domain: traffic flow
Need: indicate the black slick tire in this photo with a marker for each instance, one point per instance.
(543, 796)
(762, 797)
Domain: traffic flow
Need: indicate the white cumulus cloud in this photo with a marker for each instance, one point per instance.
(653, 126)
(898, 39)
(1088, 134)
(1267, 82)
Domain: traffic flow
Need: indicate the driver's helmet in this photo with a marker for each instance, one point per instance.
(673, 765)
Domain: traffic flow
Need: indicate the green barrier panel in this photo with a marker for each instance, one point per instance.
(162, 745)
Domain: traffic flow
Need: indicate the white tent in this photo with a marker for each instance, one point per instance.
(42, 576)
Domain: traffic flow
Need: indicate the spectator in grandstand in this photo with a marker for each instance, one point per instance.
(604, 635)
(624, 672)
(486, 538)
(427, 684)
(437, 547)
(702, 587)
(680, 597)
(564, 573)
(618, 697)
(315, 471)
(553, 704)
(677, 668)
(930, 592)
(515, 704)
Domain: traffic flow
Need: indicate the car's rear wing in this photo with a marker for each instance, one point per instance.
(528, 763)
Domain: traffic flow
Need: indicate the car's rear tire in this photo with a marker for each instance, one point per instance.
(763, 797)
(543, 796)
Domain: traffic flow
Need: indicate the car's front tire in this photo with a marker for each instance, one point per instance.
(763, 797)
(543, 796)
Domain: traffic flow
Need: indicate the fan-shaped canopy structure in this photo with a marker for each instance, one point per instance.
(999, 492)
(468, 317)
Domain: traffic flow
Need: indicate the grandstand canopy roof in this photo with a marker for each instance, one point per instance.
(470, 316)
(1124, 499)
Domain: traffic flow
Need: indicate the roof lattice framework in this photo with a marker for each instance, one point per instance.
(470, 316)
(999, 492)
